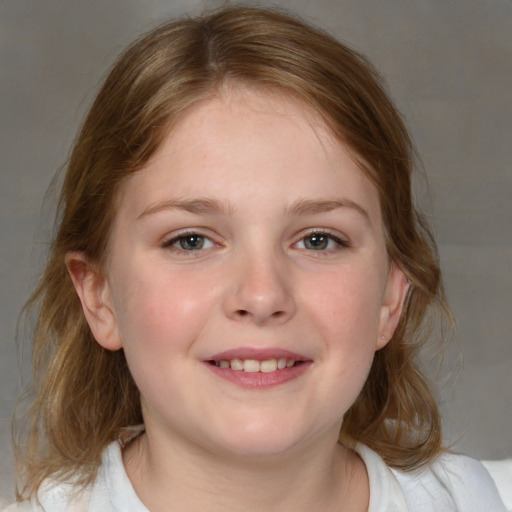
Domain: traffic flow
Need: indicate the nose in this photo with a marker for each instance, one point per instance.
(260, 291)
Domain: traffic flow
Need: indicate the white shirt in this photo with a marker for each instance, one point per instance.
(452, 483)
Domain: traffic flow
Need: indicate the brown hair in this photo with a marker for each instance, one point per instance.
(84, 394)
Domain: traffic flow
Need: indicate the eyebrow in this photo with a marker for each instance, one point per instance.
(199, 206)
(314, 206)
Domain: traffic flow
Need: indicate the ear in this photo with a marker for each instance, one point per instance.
(94, 293)
(394, 297)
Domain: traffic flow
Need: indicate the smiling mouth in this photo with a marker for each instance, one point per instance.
(258, 369)
(254, 366)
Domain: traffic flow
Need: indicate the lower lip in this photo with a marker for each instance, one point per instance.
(259, 380)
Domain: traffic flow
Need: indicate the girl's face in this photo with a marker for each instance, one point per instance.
(248, 280)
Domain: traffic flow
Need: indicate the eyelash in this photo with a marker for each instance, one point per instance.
(340, 243)
(169, 244)
(322, 236)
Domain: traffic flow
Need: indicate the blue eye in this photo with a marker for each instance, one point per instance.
(319, 241)
(189, 242)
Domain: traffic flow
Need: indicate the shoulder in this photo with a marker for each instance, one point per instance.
(26, 506)
(501, 473)
(460, 482)
(52, 497)
(453, 483)
(111, 491)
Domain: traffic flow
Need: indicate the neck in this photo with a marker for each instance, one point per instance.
(323, 476)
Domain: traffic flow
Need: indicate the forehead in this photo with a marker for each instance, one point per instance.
(230, 144)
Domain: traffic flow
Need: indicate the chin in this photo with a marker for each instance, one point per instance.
(258, 449)
(261, 441)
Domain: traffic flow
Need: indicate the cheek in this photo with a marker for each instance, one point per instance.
(163, 311)
(159, 319)
(346, 310)
(347, 305)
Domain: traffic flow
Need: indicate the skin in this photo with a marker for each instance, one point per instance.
(267, 175)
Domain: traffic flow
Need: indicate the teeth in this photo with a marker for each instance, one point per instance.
(270, 365)
(237, 364)
(253, 365)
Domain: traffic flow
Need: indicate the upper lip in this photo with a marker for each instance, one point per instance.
(258, 354)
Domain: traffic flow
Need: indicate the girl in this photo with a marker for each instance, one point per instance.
(237, 290)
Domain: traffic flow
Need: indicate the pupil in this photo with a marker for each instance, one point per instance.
(191, 242)
(316, 241)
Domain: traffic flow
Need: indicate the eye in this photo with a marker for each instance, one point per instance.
(189, 242)
(321, 241)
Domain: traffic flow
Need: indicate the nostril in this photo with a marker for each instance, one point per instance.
(242, 312)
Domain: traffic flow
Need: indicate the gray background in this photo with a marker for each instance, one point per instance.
(449, 68)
